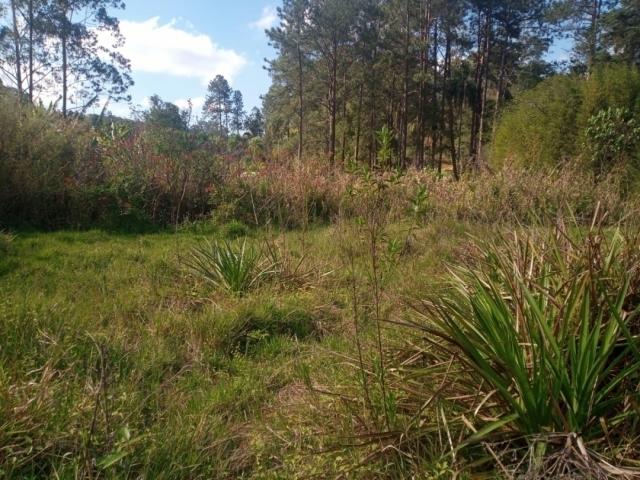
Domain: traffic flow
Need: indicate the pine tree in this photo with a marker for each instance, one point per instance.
(86, 69)
(217, 106)
(237, 112)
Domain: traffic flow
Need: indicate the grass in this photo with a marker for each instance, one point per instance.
(106, 334)
(111, 347)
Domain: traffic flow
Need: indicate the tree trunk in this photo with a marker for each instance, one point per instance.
(405, 91)
(499, 89)
(345, 94)
(483, 95)
(359, 123)
(481, 83)
(16, 43)
(333, 107)
(596, 12)
(65, 67)
(450, 111)
(424, 57)
(31, 21)
(300, 103)
(434, 97)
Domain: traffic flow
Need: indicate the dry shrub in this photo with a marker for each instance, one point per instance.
(294, 196)
(288, 194)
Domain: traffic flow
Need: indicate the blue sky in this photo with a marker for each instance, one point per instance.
(176, 47)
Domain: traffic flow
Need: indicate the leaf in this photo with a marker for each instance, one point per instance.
(111, 459)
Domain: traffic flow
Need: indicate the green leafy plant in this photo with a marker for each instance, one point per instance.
(613, 136)
(544, 334)
(385, 146)
(235, 270)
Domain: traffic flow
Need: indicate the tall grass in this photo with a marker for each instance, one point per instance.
(6, 239)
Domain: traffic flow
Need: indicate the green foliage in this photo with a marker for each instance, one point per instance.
(548, 125)
(70, 173)
(385, 139)
(547, 325)
(540, 128)
(612, 138)
(231, 269)
(166, 115)
(235, 229)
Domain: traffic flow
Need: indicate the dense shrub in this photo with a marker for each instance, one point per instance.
(57, 173)
(289, 195)
(42, 159)
(295, 196)
(549, 124)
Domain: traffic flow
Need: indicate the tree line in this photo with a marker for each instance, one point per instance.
(378, 82)
(54, 51)
(427, 78)
(55, 46)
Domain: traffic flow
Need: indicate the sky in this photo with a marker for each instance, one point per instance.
(176, 47)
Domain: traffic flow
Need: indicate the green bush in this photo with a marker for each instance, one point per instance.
(612, 138)
(550, 123)
(235, 229)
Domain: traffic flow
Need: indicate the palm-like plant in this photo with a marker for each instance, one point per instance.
(235, 270)
(544, 332)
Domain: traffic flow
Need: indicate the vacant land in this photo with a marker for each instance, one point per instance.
(112, 352)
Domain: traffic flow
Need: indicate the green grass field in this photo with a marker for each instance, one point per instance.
(114, 359)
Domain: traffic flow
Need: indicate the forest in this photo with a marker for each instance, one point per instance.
(418, 257)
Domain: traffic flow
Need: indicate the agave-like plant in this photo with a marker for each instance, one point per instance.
(235, 270)
(544, 334)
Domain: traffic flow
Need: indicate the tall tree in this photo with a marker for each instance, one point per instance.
(88, 68)
(255, 123)
(26, 57)
(622, 31)
(582, 19)
(166, 115)
(290, 41)
(436, 73)
(217, 105)
(237, 111)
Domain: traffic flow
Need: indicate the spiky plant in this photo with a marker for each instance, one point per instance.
(234, 270)
(542, 334)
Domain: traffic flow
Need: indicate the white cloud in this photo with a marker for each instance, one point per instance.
(267, 20)
(197, 103)
(168, 49)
